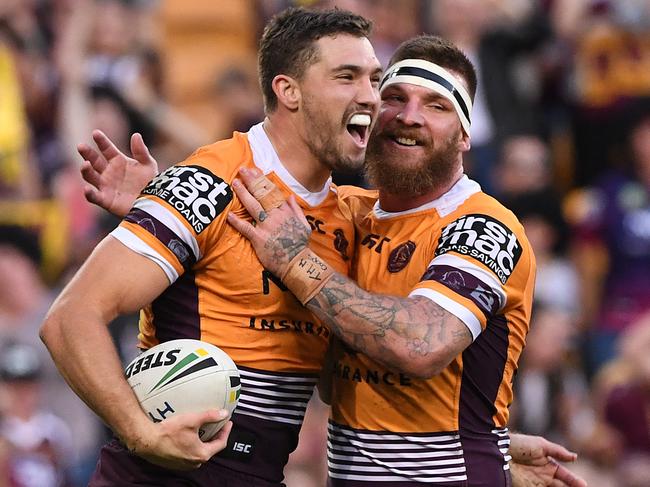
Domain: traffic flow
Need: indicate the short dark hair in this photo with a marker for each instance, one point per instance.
(287, 44)
(441, 52)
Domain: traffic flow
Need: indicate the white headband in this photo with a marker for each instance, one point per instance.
(429, 75)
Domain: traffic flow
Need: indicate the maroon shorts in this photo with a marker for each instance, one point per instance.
(117, 467)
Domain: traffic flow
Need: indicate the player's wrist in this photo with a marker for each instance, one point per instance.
(139, 435)
(306, 274)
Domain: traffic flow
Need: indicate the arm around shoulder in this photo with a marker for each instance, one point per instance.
(412, 334)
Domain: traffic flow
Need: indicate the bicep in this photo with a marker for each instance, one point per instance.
(114, 280)
(413, 334)
(440, 337)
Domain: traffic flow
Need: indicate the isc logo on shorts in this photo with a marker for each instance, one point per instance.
(194, 192)
(486, 240)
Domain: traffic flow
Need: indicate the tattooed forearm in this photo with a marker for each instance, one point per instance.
(342, 299)
(411, 334)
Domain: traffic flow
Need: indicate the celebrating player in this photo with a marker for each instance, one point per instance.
(196, 277)
(301, 142)
(437, 318)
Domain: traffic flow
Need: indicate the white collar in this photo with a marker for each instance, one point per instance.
(266, 159)
(445, 204)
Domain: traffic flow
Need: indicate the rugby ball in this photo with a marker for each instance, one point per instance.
(181, 376)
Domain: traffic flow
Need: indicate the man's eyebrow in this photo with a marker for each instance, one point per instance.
(347, 67)
(435, 96)
(431, 96)
(355, 68)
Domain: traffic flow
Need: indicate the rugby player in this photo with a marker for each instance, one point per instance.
(196, 277)
(435, 314)
(114, 181)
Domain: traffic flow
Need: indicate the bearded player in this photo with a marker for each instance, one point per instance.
(436, 321)
(110, 189)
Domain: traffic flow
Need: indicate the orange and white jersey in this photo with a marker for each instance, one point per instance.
(220, 293)
(468, 254)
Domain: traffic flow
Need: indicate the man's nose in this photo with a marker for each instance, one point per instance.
(368, 93)
(411, 114)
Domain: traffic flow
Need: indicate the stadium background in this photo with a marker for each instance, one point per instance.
(561, 134)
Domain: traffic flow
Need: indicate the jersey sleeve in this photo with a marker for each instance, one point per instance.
(480, 264)
(170, 221)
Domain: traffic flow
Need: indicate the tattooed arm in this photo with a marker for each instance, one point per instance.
(413, 334)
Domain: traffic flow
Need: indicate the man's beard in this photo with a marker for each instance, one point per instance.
(388, 171)
(322, 140)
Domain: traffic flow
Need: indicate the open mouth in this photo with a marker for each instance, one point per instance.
(358, 126)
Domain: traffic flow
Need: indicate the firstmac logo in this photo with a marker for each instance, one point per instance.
(194, 191)
(484, 239)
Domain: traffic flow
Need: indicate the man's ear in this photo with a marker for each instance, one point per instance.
(464, 142)
(287, 91)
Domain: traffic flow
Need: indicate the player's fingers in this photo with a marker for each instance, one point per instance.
(217, 443)
(262, 188)
(105, 145)
(558, 452)
(140, 150)
(92, 156)
(568, 478)
(242, 226)
(220, 440)
(249, 174)
(92, 195)
(209, 416)
(272, 199)
(253, 206)
(89, 174)
(194, 420)
(293, 204)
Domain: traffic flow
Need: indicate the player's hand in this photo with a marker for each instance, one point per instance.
(113, 179)
(278, 234)
(175, 444)
(535, 463)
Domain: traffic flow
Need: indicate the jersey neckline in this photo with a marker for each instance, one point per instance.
(266, 159)
(444, 205)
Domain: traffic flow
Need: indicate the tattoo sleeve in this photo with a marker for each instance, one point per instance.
(413, 335)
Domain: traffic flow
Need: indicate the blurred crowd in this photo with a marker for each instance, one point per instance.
(560, 134)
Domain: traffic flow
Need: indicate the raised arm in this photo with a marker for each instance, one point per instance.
(115, 280)
(114, 180)
(411, 334)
